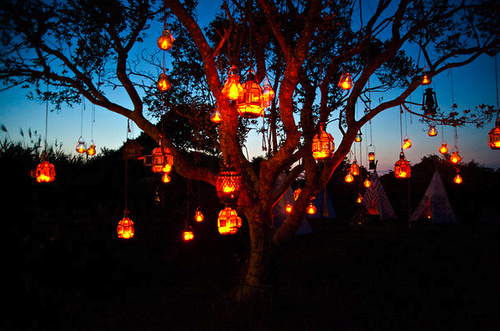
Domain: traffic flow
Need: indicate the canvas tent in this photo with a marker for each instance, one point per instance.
(375, 200)
(435, 204)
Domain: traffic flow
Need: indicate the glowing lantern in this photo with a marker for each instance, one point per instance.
(166, 178)
(125, 228)
(358, 137)
(354, 168)
(371, 156)
(402, 167)
(371, 159)
(232, 88)
(345, 82)
(228, 185)
(367, 183)
(494, 136)
(322, 145)
(166, 40)
(359, 199)
(228, 221)
(426, 80)
(216, 117)
(429, 104)
(92, 149)
(349, 178)
(455, 157)
(80, 146)
(161, 160)
(406, 143)
(251, 104)
(187, 233)
(163, 83)
(288, 207)
(432, 132)
(198, 216)
(44, 172)
(296, 193)
(311, 209)
(444, 148)
(458, 179)
(267, 94)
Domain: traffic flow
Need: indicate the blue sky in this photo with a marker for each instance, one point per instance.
(471, 86)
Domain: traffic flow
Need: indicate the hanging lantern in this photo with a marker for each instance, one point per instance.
(288, 207)
(92, 149)
(322, 145)
(251, 105)
(458, 179)
(132, 150)
(444, 148)
(371, 156)
(198, 216)
(359, 199)
(161, 160)
(80, 146)
(163, 83)
(166, 178)
(349, 178)
(311, 209)
(166, 40)
(44, 172)
(232, 88)
(228, 221)
(494, 136)
(406, 143)
(267, 93)
(402, 167)
(216, 117)
(429, 104)
(426, 79)
(354, 168)
(296, 193)
(371, 159)
(125, 228)
(187, 233)
(432, 132)
(358, 137)
(345, 82)
(367, 183)
(228, 185)
(455, 157)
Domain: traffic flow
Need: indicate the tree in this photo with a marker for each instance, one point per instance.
(87, 47)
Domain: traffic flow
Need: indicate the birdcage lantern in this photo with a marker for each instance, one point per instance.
(228, 184)
(228, 221)
(323, 146)
(251, 104)
(359, 137)
(166, 40)
(125, 228)
(429, 103)
(402, 167)
(494, 136)
(163, 83)
(345, 82)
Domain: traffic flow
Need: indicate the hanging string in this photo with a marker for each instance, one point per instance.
(496, 84)
(401, 126)
(92, 123)
(46, 117)
(81, 116)
(126, 169)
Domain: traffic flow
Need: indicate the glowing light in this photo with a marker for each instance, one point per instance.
(345, 82)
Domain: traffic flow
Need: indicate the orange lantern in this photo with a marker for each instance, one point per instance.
(371, 156)
(444, 148)
(494, 136)
(163, 83)
(359, 199)
(187, 233)
(455, 157)
(345, 82)
(358, 137)
(296, 193)
(166, 40)
(232, 88)
(228, 221)
(354, 168)
(426, 80)
(92, 149)
(166, 178)
(367, 183)
(288, 207)
(406, 143)
(458, 179)
(311, 209)
(198, 216)
(228, 185)
(251, 104)
(125, 228)
(349, 178)
(216, 117)
(402, 167)
(268, 93)
(322, 145)
(44, 172)
(80, 146)
(161, 160)
(432, 132)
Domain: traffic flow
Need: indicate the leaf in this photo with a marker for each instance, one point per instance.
(21, 132)
(3, 128)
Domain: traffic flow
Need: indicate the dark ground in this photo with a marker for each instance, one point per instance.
(380, 277)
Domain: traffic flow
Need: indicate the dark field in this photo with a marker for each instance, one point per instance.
(380, 277)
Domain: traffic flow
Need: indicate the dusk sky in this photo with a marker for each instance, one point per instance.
(470, 86)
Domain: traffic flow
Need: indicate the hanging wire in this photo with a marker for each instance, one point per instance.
(496, 84)
(401, 126)
(81, 116)
(126, 169)
(46, 117)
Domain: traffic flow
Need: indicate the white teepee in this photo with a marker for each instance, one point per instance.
(375, 200)
(435, 204)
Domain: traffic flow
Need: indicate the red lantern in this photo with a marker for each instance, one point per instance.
(80, 146)
(198, 216)
(44, 172)
(322, 145)
(402, 167)
(228, 221)
(251, 104)
(228, 185)
(444, 148)
(92, 149)
(432, 132)
(455, 157)
(406, 143)
(125, 228)
(163, 83)
(494, 136)
(345, 82)
(166, 40)
(232, 88)
(311, 209)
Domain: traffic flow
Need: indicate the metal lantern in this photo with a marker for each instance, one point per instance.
(163, 83)
(311, 209)
(228, 221)
(251, 104)
(429, 103)
(455, 157)
(406, 143)
(44, 172)
(187, 233)
(232, 88)
(494, 136)
(345, 82)
(444, 148)
(166, 40)
(92, 149)
(80, 146)
(125, 228)
(228, 185)
(432, 132)
(288, 207)
(198, 216)
(402, 167)
(322, 145)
